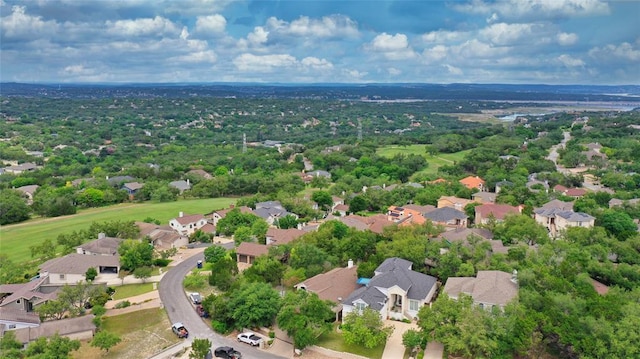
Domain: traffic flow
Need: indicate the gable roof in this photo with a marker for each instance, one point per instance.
(25, 290)
(133, 186)
(333, 285)
(16, 315)
(284, 236)
(557, 204)
(76, 263)
(455, 200)
(491, 287)
(181, 185)
(102, 245)
(190, 218)
(30, 189)
(116, 180)
(472, 182)
(445, 214)
(252, 249)
(485, 196)
(499, 211)
(461, 234)
(202, 173)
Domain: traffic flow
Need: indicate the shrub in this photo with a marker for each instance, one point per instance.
(161, 262)
(98, 310)
(219, 327)
(272, 334)
(123, 304)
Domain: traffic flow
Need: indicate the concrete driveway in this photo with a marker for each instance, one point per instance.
(394, 348)
(434, 350)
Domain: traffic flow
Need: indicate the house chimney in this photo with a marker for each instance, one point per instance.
(101, 235)
(350, 263)
(188, 182)
(181, 214)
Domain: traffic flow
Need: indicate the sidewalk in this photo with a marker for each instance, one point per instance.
(138, 302)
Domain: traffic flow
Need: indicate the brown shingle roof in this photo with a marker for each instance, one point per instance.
(190, 218)
(489, 287)
(334, 285)
(252, 249)
(76, 263)
(499, 211)
(284, 236)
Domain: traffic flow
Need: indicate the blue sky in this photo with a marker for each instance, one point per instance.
(318, 41)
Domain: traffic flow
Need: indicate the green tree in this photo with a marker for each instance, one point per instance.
(142, 273)
(13, 208)
(305, 317)
(520, 229)
(200, 348)
(214, 253)
(52, 309)
(259, 230)
(44, 251)
(618, 224)
(412, 339)
(135, 254)
(242, 234)
(52, 347)
(91, 274)
(254, 305)
(323, 199)
(223, 272)
(200, 236)
(286, 222)
(366, 328)
(105, 340)
(266, 269)
(358, 204)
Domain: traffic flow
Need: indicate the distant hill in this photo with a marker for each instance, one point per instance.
(489, 92)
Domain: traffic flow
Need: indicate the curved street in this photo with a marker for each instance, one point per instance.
(180, 309)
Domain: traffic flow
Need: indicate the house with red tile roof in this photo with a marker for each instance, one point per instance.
(472, 182)
(485, 212)
(405, 216)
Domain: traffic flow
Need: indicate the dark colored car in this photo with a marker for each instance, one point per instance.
(227, 353)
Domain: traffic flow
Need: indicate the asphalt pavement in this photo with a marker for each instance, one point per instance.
(180, 309)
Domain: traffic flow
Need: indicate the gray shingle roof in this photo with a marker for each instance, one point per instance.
(75, 263)
(445, 214)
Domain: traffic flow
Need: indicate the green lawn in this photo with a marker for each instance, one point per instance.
(130, 290)
(16, 239)
(333, 340)
(435, 162)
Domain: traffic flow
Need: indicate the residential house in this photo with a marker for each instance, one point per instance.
(132, 188)
(221, 213)
(336, 201)
(422, 209)
(72, 268)
(271, 211)
(103, 246)
(486, 212)
(614, 202)
(181, 185)
(484, 197)
(375, 223)
(570, 192)
(247, 252)
(463, 235)
(81, 328)
(473, 182)
(14, 319)
(488, 289)
(21, 168)
(28, 192)
(117, 181)
(25, 297)
(557, 215)
(334, 285)
(162, 236)
(453, 202)
(448, 217)
(341, 209)
(186, 225)
(405, 216)
(395, 291)
(201, 173)
(277, 236)
(310, 175)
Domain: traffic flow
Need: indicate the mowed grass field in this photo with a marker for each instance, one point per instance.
(435, 162)
(16, 239)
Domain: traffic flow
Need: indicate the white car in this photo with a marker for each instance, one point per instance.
(195, 298)
(250, 338)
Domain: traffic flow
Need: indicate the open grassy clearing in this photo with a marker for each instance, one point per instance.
(131, 290)
(16, 239)
(435, 162)
(333, 340)
(143, 333)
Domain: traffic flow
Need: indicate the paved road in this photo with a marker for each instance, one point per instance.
(180, 309)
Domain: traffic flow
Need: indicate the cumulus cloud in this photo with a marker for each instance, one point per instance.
(435, 53)
(535, 9)
(316, 63)
(393, 71)
(21, 26)
(625, 51)
(263, 63)
(197, 57)
(334, 26)
(444, 36)
(453, 70)
(570, 61)
(158, 26)
(394, 47)
(506, 34)
(566, 39)
(211, 24)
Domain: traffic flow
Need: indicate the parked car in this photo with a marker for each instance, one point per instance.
(195, 298)
(201, 311)
(180, 330)
(227, 353)
(250, 338)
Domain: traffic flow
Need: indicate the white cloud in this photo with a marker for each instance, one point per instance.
(334, 26)
(453, 70)
(506, 34)
(20, 25)
(474, 49)
(263, 63)
(158, 26)
(394, 47)
(76, 70)
(316, 63)
(211, 24)
(435, 53)
(536, 9)
(566, 39)
(207, 56)
(569, 61)
(354, 75)
(393, 71)
(258, 36)
(444, 36)
(625, 51)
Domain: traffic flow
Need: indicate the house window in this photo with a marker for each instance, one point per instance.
(481, 305)
(18, 301)
(12, 326)
(360, 307)
(414, 305)
(61, 276)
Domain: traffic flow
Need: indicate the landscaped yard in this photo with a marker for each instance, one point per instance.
(143, 334)
(16, 239)
(435, 162)
(131, 290)
(333, 340)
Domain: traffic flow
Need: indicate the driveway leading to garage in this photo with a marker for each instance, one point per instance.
(394, 348)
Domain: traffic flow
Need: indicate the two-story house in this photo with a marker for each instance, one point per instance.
(186, 225)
